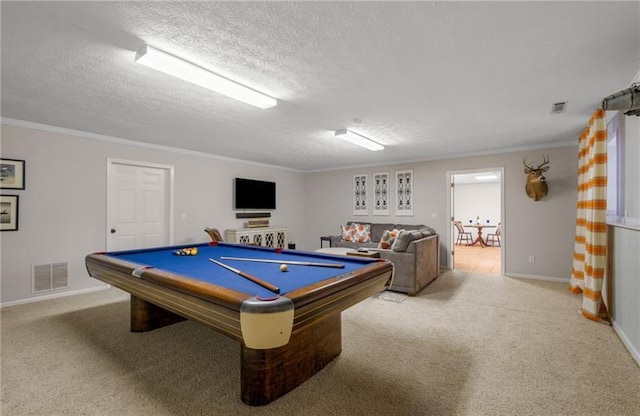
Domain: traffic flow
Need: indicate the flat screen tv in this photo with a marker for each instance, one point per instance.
(254, 194)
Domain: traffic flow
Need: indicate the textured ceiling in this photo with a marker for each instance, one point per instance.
(426, 79)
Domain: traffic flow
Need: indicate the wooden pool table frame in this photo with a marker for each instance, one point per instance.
(161, 298)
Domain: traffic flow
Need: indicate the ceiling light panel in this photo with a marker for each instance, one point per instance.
(358, 139)
(179, 68)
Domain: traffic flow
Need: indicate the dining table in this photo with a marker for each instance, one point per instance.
(479, 240)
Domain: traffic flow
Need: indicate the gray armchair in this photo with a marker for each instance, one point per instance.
(416, 267)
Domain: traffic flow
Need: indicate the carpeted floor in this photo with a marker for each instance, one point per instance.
(467, 345)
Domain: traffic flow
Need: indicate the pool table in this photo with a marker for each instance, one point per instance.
(285, 337)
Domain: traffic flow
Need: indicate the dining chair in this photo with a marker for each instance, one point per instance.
(462, 234)
(494, 238)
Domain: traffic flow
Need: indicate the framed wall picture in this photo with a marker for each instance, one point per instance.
(381, 193)
(404, 192)
(9, 213)
(11, 174)
(360, 195)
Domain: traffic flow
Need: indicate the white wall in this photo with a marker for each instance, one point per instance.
(477, 199)
(62, 209)
(623, 285)
(544, 229)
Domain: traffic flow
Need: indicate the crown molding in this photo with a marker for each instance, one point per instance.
(94, 136)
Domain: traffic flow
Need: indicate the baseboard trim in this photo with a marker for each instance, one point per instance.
(54, 296)
(535, 277)
(627, 343)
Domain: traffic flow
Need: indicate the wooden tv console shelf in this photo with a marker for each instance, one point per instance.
(275, 237)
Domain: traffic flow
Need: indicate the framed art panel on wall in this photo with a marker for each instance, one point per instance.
(9, 213)
(381, 193)
(11, 174)
(404, 192)
(360, 195)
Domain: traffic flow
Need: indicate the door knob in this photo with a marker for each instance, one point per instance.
(113, 230)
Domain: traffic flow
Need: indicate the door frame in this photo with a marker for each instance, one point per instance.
(169, 222)
(450, 237)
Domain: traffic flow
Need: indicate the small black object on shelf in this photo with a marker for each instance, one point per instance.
(253, 214)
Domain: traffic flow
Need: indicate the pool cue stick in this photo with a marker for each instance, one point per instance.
(254, 279)
(296, 263)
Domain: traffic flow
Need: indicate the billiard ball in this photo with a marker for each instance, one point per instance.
(283, 268)
(189, 251)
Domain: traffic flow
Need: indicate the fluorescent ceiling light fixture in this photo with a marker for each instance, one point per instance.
(485, 177)
(358, 139)
(179, 68)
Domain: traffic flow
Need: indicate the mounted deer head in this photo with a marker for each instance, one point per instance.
(536, 182)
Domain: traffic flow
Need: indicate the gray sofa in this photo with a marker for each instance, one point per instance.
(416, 266)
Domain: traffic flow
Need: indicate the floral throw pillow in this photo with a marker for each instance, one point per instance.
(387, 239)
(346, 232)
(361, 233)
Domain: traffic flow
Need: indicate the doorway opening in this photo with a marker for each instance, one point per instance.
(476, 203)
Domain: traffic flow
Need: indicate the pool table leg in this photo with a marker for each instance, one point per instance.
(145, 316)
(268, 374)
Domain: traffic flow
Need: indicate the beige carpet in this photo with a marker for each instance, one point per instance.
(467, 345)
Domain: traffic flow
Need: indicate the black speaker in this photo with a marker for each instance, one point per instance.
(253, 214)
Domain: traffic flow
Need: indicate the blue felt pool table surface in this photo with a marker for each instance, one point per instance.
(199, 267)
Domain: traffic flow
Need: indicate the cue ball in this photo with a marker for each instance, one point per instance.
(283, 268)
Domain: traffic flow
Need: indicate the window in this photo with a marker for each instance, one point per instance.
(615, 166)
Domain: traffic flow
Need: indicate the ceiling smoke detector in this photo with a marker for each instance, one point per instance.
(558, 108)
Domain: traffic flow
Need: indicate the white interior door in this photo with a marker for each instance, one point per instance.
(138, 205)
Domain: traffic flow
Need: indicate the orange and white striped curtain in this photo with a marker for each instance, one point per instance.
(589, 256)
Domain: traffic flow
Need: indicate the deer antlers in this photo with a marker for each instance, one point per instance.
(545, 161)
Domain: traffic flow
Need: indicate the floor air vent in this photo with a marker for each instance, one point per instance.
(46, 277)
